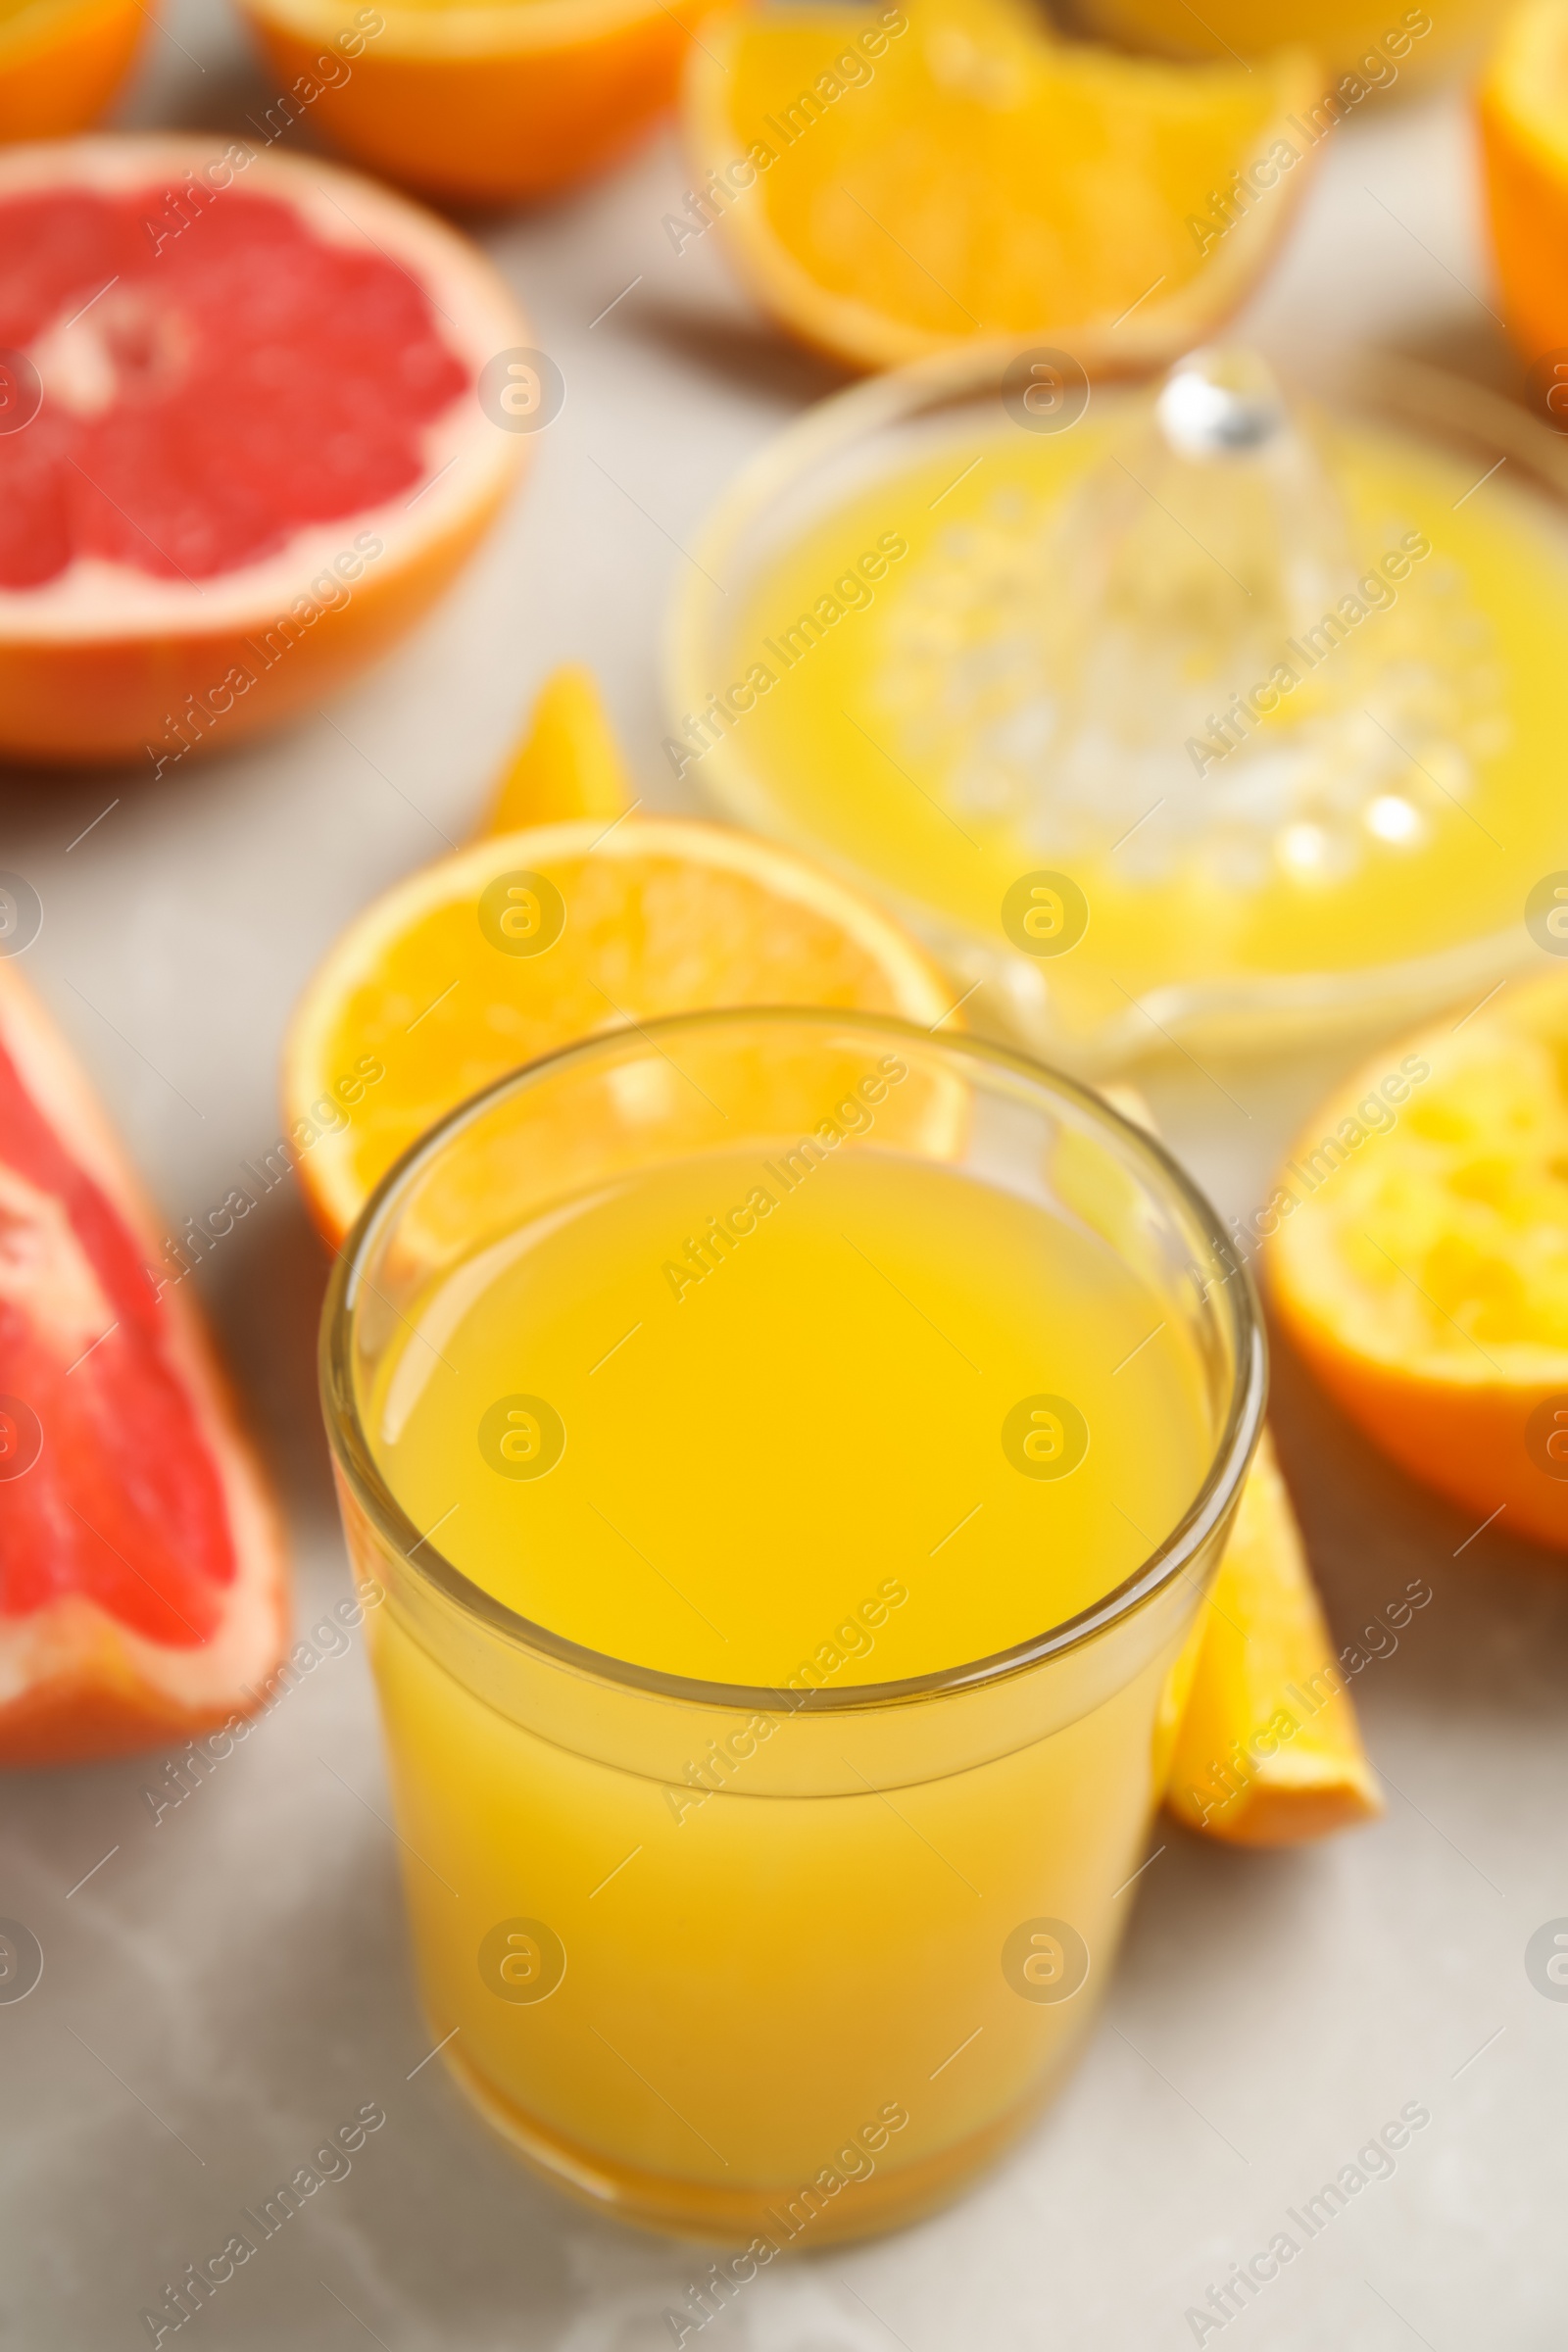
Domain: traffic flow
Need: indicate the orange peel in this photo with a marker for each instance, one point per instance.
(1522, 106)
(482, 102)
(63, 63)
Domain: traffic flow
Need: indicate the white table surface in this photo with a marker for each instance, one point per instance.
(231, 1985)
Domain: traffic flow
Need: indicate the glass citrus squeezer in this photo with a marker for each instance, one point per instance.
(1208, 709)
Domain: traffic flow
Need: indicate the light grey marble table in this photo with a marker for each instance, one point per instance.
(231, 1985)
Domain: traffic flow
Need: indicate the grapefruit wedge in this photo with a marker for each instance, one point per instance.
(242, 444)
(142, 1581)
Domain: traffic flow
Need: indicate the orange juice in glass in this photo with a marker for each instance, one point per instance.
(793, 1447)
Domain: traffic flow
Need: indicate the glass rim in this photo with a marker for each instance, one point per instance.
(1169, 1560)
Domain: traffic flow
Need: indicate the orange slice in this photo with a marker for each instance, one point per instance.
(1268, 1752)
(478, 101)
(892, 184)
(1523, 106)
(1422, 1266)
(438, 989)
(62, 62)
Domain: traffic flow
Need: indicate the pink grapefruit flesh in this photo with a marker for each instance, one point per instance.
(251, 446)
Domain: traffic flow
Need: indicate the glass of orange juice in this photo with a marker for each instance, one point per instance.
(788, 1449)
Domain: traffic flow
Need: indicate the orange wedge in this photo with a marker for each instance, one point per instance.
(1268, 1752)
(1523, 106)
(62, 62)
(1422, 1266)
(568, 762)
(1257, 1741)
(897, 182)
(476, 101)
(440, 988)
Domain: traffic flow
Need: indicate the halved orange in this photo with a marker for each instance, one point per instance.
(1421, 1258)
(442, 986)
(892, 184)
(476, 101)
(62, 62)
(1523, 109)
(1268, 1752)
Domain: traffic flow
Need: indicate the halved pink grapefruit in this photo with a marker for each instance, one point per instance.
(143, 1589)
(242, 446)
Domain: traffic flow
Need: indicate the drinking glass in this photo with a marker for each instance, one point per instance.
(811, 2002)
